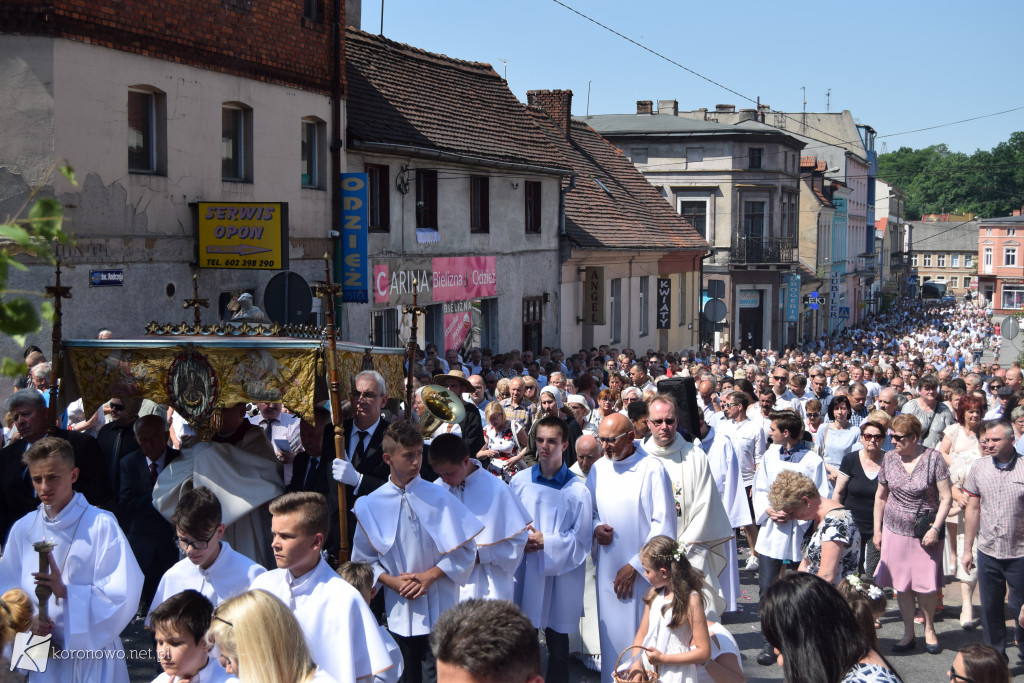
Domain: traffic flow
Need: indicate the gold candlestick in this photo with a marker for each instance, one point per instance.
(43, 592)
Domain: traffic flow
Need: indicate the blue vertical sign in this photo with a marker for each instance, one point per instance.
(792, 297)
(355, 277)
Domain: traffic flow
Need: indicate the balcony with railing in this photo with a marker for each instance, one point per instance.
(762, 250)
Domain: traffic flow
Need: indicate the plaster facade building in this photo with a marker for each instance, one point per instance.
(158, 110)
(891, 239)
(739, 187)
(945, 253)
(1000, 268)
(464, 197)
(631, 265)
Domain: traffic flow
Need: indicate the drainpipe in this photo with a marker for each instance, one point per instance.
(336, 144)
(561, 236)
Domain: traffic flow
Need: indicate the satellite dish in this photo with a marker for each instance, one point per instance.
(288, 299)
(715, 311)
(1009, 328)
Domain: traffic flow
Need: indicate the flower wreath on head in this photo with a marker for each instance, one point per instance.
(873, 592)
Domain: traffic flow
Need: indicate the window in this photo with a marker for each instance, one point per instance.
(1010, 256)
(645, 304)
(479, 204)
(954, 283)
(954, 260)
(913, 260)
(1011, 232)
(313, 157)
(968, 260)
(146, 116)
(639, 155)
(384, 328)
(311, 10)
(753, 219)
(696, 214)
(615, 303)
(927, 260)
(988, 259)
(533, 206)
(379, 197)
(1013, 296)
(236, 143)
(426, 198)
(533, 317)
(988, 232)
(755, 156)
(941, 260)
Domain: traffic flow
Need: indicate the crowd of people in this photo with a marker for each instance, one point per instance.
(580, 501)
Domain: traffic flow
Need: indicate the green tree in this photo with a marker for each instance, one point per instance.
(34, 230)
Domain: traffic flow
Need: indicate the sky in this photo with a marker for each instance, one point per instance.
(898, 66)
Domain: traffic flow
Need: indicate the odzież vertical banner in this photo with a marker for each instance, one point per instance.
(355, 279)
(593, 296)
(664, 303)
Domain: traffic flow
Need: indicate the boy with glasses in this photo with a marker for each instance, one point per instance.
(210, 565)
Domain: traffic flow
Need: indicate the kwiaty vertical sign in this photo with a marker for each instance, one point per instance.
(664, 303)
(355, 277)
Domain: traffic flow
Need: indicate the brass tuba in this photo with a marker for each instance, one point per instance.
(442, 406)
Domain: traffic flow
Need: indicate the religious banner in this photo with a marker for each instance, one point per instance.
(664, 303)
(199, 375)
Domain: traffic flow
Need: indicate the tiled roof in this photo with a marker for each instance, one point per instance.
(816, 191)
(880, 226)
(613, 206)
(401, 95)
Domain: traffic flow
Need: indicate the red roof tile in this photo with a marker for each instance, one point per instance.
(613, 206)
(401, 95)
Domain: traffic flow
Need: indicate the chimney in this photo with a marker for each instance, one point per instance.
(670, 107)
(353, 13)
(725, 108)
(644, 107)
(555, 103)
(747, 115)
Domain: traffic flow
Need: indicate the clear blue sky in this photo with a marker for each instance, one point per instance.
(896, 65)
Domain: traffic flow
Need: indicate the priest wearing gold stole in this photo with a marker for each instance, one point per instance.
(239, 466)
(702, 524)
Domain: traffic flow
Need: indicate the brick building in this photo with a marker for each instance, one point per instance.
(160, 106)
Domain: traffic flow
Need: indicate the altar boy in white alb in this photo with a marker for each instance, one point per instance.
(419, 539)
(210, 566)
(95, 579)
(499, 547)
(340, 630)
(549, 583)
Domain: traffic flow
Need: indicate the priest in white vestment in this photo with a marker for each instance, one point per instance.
(633, 502)
(702, 525)
(210, 566)
(499, 547)
(340, 629)
(419, 540)
(95, 579)
(725, 470)
(240, 467)
(549, 582)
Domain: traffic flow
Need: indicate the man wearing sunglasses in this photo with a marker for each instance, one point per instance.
(702, 525)
(117, 438)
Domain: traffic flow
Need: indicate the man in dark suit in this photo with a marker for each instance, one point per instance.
(471, 425)
(363, 470)
(149, 534)
(17, 497)
(117, 438)
(310, 469)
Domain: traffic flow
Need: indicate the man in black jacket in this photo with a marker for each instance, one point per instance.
(17, 497)
(149, 534)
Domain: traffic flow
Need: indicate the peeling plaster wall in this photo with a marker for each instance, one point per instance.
(64, 99)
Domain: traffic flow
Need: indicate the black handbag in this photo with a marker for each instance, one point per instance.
(924, 521)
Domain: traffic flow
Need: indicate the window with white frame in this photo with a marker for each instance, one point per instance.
(313, 153)
(927, 260)
(913, 260)
(954, 283)
(954, 260)
(987, 256)
(1013, 296)
(968, 260)
(236, 143)
(146, 131)
(1010, 256)
(940, 260)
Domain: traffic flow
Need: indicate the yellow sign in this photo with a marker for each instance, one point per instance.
(248, 235)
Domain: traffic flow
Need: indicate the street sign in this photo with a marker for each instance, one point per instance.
(106, 278)
(912, 280)
(715, 311)
(1009, 328)
(844, 312)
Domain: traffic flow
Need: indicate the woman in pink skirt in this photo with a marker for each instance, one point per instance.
(913, 480)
